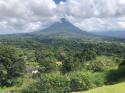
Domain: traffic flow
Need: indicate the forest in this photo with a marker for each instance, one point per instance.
(59, 65)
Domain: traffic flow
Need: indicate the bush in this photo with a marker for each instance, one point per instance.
(50, 83)
(73, 81)
(101, 65)
(96, 66)
(84, 81)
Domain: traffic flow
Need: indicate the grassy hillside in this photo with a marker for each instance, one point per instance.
(117, 88)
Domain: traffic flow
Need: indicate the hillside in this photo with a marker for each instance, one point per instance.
(62, 29)
(117, 88)
(116, 34)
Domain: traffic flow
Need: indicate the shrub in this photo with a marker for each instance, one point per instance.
(100, 66)
(73, 81)
(50, 83)
(86, 80)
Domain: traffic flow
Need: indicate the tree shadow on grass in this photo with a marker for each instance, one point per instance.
(115, 76)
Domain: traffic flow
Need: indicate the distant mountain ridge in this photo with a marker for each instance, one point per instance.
(65, 29)
(116, 34)
(62, 29)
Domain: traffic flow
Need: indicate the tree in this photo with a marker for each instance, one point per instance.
(67, 65)
(122, 64)
(46, 59)
(86, 55)
(11, 64)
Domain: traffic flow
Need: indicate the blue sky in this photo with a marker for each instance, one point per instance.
(58, 1)
(17, 16)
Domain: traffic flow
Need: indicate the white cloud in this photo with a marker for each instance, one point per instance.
(94, 15)
(26, 15)
(94, 8)
(122, 24)
(90, 15)
(93, 24)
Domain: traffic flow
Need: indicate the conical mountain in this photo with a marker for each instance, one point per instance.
(63, 29)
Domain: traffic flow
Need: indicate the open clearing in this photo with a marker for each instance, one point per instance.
(117, 88)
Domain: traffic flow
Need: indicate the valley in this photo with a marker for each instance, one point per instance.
(61, 59)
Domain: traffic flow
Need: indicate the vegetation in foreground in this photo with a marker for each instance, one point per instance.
(61, 66)
(21, 83)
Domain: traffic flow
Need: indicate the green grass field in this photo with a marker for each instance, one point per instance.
(117, 88)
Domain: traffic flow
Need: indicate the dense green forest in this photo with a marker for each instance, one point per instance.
(59, 65)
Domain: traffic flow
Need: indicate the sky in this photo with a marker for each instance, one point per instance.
(58, 1)
(17, 16)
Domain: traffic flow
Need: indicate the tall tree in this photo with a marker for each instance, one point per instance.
(11, 64)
